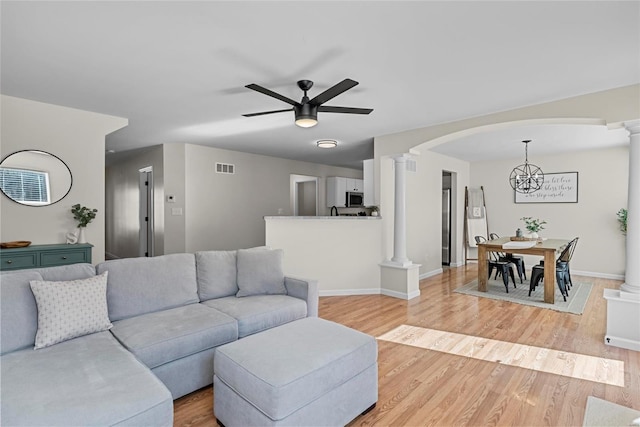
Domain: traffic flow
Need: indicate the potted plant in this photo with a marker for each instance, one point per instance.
(534, 225)
(374, 210)
(84, 216)
(622, 219)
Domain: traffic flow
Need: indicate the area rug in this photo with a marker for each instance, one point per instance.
(577, 300)
(603, 413)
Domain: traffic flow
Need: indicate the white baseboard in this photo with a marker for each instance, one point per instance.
(348, 292)
(456, 264)
(400, 295)
(430, 273)
(351, 292)
(622, 342)
(598, 275)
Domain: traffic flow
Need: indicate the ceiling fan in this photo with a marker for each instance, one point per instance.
(306, 111)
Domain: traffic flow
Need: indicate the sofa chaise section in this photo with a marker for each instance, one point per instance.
(89, 380)
(86, 381)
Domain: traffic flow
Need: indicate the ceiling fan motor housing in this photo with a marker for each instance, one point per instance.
(306, 111)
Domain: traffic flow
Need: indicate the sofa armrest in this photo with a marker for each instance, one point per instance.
(306, 290)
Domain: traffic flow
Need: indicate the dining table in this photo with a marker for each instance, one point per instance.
(546, 248)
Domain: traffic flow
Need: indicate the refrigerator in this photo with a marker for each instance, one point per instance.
(446, 226)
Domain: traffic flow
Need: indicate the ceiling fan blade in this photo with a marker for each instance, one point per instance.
(333, 91)
(347, 110)
(271, 93)
(267, 112)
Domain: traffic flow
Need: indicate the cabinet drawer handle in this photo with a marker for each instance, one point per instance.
(64, 257)
(9, 262)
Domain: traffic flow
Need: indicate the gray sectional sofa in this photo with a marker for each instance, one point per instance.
(167, 316)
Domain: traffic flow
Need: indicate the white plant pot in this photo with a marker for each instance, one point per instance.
(81, 236)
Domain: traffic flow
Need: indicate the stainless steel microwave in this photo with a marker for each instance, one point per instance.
(355, 199)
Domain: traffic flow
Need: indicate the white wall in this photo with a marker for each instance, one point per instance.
(343, 254)
(175, 185)
(75, 136)
(602, 190)
(424, 209)
(226, 211)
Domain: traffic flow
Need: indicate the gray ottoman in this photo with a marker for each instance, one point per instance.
(310, 372)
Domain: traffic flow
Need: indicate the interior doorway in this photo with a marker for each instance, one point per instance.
(446, 217)
(304, 195)
(145, 247)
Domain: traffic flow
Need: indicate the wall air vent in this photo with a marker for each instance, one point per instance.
(412, 165)
(225, 168)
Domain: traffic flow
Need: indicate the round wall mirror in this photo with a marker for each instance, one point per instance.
(34, 178)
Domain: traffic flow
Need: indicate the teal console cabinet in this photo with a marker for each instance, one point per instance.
(44, 256)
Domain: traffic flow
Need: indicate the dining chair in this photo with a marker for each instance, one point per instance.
(517, 260)
(563, 273)
(505, 268)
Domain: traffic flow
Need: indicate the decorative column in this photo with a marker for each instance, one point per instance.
(400, 212)
(623, 306)
(632, 271)
(399, 277)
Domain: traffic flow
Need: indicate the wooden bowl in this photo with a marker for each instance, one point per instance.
(15, 244)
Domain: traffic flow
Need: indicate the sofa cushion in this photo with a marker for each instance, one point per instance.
(91, 380)
(144, 285)
(18, 310)
(217, 274)
(165, 336)
(70, 309)
(260, 272)
(67, 272)
(260, 312)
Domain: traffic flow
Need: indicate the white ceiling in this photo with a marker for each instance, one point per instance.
(177, 70)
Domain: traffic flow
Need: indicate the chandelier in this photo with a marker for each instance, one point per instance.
(526, 178)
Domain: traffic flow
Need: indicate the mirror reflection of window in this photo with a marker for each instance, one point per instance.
(26, 186)
(34, 178)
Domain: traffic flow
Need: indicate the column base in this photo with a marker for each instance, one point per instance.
(623, 319)
(399, 281)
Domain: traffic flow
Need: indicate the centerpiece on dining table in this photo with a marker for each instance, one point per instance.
(533, 226)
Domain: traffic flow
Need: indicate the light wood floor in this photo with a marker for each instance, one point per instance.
(419, 386)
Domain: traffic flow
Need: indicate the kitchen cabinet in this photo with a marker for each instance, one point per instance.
(337, 187)
(369, 180)
(336, 191)
(44, 256)
(354, 184)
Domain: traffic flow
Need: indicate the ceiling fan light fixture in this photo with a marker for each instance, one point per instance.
(306, 115)
(306, 122)
(327, 143)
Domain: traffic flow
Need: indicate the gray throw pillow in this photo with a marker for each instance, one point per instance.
(260, 272)
(70, 309)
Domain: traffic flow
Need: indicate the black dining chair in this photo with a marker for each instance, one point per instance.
(503, 267)
(517, 260)
(563, 273)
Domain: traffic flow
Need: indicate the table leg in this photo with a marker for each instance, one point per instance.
(549, 277)
(482, 268)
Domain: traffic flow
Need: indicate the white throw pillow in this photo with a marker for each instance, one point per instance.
(70, 309)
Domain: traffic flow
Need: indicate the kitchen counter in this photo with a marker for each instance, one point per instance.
(342, 252)
(324, 217)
